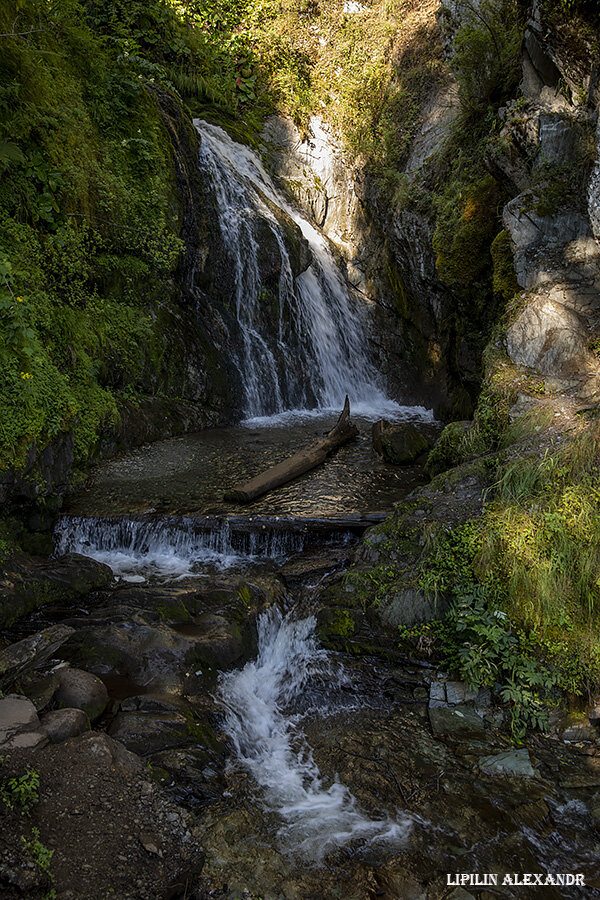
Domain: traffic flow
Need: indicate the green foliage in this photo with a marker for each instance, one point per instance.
(504, 279)
(21, 793)
(523, 581)
(42, 856)
(88, 226)
(485, 56)
(465, 226)
(479, 643)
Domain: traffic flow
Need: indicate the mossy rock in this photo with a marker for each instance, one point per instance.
(335, 625)
(403, 444)
(446, 452)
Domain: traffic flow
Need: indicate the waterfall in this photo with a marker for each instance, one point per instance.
(318, 352)
(269, 744)
(174, 546)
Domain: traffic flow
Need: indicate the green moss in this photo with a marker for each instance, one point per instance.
(504, 278)
(465, 228)
(340, 623)
(173, 611)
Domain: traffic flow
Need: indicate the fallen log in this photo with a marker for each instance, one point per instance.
(303, 461)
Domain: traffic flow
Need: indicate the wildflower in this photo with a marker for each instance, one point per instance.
(26, 375)
(19, 299)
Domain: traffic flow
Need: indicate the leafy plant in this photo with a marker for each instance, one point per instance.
(21, 792)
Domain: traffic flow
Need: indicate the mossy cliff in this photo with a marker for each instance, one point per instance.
(492, 568)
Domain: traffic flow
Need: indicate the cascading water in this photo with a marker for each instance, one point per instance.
(270, 746)
(320, 355)
(175, 546)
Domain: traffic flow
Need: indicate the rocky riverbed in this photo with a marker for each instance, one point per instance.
(161, 798)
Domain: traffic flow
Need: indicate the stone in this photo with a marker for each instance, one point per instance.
(459, 893)
(16, 714)
(402, 444)
(31, 652)
(39, 690)
(510, 762)
(27, 740)
(458, 692)
(62, 724)
(147, 732)
(82, 690)
(28, 582)
(437, 693)
(410, 607)
(456, 721)
(594, 711)
(579, 731)
(549, 337)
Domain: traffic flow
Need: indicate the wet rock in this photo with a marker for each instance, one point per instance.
(457, 721)
(578, 728)
(62, 724)
(147, 725)
(394, 881)
(19, 658)
(40, 690)
(82, 690)
(28, 582)
(400, 444)
(511, 762)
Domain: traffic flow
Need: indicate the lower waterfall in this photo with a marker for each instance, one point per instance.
(270, 745)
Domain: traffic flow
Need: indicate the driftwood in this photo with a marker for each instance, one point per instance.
(301, 462)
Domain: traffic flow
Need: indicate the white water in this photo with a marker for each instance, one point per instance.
(316, 818)
(319, 354)
(173, 547)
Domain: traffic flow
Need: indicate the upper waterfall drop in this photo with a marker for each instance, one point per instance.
(319, 353)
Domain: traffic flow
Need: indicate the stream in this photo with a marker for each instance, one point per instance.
(314, 773)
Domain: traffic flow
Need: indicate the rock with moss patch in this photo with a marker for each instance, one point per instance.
(401, 444)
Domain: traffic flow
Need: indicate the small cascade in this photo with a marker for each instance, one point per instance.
(174, 546)
(317, 354)
(269, 744)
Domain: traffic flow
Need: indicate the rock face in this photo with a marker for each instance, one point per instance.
(387, 256)
(18, 658)
(27, 583)
(83, 691)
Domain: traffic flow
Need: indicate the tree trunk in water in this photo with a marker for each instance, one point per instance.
(301, 462)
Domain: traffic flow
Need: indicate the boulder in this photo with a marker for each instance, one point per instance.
(28, 582)
(456, 721)
(30, 652)
(511, 762)
(400, 444)
(82, 690)
(62, 724)
(19, 724)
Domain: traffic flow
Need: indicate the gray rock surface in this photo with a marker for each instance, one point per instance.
(62, 724)
(511, 762)
(19, 724)
(458, 721)
(82, 690)
(31, 652)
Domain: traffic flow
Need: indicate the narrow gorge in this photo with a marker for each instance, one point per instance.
(219, 221)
